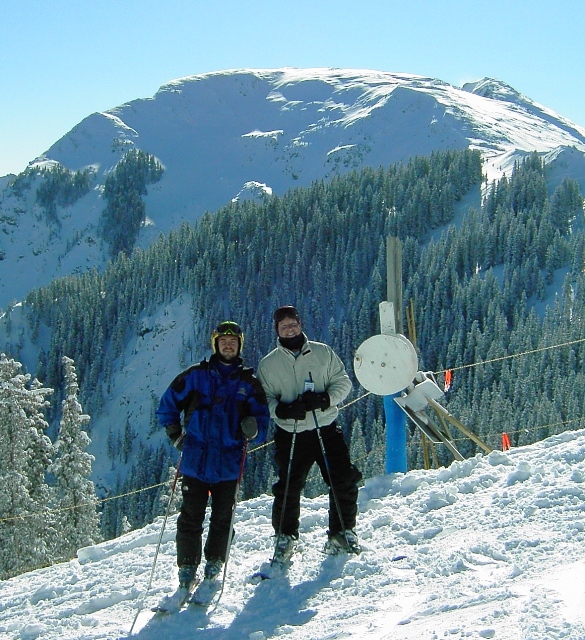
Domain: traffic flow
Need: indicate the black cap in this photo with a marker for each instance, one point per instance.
(288, 311)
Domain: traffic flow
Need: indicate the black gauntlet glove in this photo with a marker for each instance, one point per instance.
(313, 401)
(249, 427)
(291, 410)
(175, 434)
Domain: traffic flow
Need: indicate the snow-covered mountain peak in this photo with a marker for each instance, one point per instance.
(215, 134)
(494, 89)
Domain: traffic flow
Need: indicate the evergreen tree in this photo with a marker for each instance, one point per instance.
(123, 189)
(78, 519)
(165, 495)
(27, 532)
(61, 187)
(375, 461)
(358, 445)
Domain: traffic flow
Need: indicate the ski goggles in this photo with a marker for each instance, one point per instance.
(228, 329)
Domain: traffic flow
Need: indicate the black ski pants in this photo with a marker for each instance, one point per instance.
(307, 450)
(190, 521)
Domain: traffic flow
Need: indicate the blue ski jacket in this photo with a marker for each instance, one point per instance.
(213, 406)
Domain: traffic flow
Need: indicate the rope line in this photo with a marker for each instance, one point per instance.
(348, 404)
(84, 504)
(513, 355)
(266, 444)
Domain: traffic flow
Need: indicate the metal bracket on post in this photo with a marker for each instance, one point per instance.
(387, 318)
(415, 400)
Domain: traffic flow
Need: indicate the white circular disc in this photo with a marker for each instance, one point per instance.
(385, 364)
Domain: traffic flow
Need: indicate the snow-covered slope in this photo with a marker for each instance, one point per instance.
(241, 133)
(493, 548)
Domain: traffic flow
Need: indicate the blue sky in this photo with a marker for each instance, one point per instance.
(61, 60)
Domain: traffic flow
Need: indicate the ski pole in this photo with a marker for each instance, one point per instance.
(286, 487)
(231, 529)
(167, 512)
(331, 487)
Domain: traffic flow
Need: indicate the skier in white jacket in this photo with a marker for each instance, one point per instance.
(304, 382)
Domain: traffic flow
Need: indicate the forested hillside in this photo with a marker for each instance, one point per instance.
(477, 289)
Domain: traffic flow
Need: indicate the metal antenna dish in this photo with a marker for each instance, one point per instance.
(385, 364)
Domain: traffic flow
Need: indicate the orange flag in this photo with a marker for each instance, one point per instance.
(448, 379)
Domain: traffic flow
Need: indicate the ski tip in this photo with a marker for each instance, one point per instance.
(400, 557)
(259, 576)
(269, 570)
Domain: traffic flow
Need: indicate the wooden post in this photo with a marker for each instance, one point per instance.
(394, 279)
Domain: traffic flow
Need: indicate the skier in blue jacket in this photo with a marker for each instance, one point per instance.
(222, 404)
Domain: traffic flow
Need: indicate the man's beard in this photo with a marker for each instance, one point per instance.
(227, 359)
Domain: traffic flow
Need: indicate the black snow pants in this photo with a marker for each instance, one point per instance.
(307, 450)
(190, 521)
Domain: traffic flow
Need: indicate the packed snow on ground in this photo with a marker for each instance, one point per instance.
(491, 547)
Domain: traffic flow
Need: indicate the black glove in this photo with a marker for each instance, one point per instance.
(249, 427)
(175, 433)
(313, 401)
(291, 410)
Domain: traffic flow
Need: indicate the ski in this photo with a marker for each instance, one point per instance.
(174, 602)
(204, 593)
(353, 549)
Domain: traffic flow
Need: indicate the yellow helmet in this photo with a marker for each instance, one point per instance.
(227, 328)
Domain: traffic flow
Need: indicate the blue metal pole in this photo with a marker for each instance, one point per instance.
(395, 436)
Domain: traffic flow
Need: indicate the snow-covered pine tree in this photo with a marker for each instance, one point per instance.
(165, 495)
(27, 533)
(126, 526)
(77, 516)
(358, 445)
(375, 462)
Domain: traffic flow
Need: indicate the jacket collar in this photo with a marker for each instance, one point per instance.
(305, 348)
(215, 364)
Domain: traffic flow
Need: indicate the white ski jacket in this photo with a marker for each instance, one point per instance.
(283, 376)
